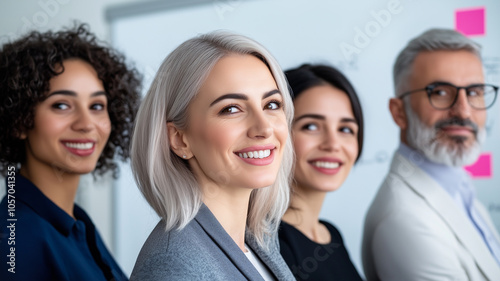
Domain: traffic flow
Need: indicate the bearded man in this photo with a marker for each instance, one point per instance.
(425, 222)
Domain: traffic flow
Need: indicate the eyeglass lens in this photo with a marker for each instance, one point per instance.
(480, 97)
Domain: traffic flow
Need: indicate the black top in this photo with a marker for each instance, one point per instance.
(309, 260)
(39, 241)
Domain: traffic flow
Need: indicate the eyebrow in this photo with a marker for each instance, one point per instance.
(321, 117)
(270, 93)
(73, 94)
(313, 116)
(349, 120)
(242, 96)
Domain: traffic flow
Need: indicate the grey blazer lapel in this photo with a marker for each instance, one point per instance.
(219, 236)
(446, 208)
(272, 259)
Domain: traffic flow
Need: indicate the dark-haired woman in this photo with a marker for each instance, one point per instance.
(67, 104)
(327, 132)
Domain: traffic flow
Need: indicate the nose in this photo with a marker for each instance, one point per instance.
(83, 121)
(261, 126)
(330, 141)
(461, 108)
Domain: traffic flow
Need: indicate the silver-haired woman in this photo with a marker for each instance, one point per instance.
(212, 156)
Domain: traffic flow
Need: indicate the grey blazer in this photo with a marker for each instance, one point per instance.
(203, 251)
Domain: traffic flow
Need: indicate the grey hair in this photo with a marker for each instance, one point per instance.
(431, 40)
(164, 178)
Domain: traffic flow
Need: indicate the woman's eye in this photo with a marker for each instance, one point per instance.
(347, 130)
(229, 110)
(98, 106)
(310, 127)
(60, 106)
(273, 105)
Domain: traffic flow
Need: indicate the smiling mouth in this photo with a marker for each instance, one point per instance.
(258, 154)
(79, 145)
(325, 164)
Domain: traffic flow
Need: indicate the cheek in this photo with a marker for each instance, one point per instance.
(424, 111)
(430, 117)
(281, 129)
(352, 150)
(480, 118)
(104, 125)
(302, 145)
(49, 126)
(431, 120)
(219, 136)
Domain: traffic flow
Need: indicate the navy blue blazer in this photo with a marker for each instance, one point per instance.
(39, 241)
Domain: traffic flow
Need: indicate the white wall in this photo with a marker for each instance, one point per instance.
(16, 17)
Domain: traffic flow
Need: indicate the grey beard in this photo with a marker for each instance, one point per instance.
(424, 139)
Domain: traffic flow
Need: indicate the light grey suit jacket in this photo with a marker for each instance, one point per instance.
(203, 251)
(414, 230)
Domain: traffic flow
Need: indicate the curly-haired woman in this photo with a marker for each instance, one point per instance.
(67, 103)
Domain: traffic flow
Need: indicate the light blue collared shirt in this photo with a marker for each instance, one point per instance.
(458, 185)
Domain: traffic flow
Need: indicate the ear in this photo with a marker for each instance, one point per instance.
(22, 135)
(178, 141)
(397, 108)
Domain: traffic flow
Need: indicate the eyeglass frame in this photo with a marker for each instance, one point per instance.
(431, 86)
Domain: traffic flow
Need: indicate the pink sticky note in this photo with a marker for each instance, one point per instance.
(470, 21)
(482, 167)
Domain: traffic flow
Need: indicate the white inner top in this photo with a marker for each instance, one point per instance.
(257, 263)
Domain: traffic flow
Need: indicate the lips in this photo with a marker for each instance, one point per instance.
(328, 166)
(79, 147)
(257, 155)
(458, 130)
(457, 127)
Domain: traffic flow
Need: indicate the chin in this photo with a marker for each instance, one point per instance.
(458, 143)
(329, 188)
(80, 170)
(260, 184)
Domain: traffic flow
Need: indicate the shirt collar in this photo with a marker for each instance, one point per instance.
(30, 195)
(454, 180)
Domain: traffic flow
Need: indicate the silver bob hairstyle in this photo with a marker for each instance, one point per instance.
(431, 40)
(164, 178)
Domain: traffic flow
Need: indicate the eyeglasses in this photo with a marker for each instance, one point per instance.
(444, 95)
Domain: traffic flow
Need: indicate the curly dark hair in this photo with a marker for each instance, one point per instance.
(28, 64)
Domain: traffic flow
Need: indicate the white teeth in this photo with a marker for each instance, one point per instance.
(326, 165)
(79, 145)
(256, 154)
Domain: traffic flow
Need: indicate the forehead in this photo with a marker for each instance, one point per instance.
(236, 73)
(75, 71)
(457, 67)
(325, 100)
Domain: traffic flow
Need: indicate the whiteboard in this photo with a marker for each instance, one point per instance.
(296, 32)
